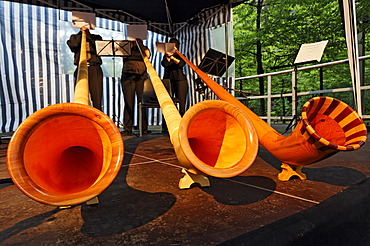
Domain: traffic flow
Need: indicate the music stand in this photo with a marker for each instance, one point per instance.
(307, 53)
(214, 63)
(113, 48)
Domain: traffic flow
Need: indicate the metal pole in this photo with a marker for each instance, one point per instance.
(294, 92)
(352, 49)
(269, 100)
(226, 12)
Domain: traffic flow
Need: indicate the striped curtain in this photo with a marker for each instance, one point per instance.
(30, 75)
(31, 72)
(195, 41)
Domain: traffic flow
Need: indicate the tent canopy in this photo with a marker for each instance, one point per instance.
(35, 64)
(155, 10)
(162, 16)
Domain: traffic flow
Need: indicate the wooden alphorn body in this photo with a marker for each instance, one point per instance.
(213, 137)
(67, 153)
(327, 126)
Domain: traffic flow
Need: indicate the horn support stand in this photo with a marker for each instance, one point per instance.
(212, 138)
(327, 127)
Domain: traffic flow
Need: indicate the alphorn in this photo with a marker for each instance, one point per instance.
(212, 138)
(67, 153)
(327, 126)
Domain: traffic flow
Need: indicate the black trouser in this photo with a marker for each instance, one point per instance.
(180, 92)
(131, 84)
(95, 78)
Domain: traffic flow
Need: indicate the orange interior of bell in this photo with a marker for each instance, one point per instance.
(213, 133)
(328, 129)
(64, 154)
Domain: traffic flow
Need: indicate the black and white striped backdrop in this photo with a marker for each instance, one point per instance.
(31, 72)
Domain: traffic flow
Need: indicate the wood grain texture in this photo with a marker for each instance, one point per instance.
(65, 154)
(298, 148)
(213, 137)
(218, 138)
(82, 84)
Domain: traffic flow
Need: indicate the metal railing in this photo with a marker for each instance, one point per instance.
(294, 94)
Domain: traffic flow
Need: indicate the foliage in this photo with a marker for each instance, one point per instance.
(284, 26)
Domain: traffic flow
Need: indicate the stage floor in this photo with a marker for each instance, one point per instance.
(144, 205)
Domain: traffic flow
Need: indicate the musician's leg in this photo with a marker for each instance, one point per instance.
(96, 85)
(181, 92)
(128, 88)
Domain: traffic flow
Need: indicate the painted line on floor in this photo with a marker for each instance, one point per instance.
(274, 191)
(162, 161)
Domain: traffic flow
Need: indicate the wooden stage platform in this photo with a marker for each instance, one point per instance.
(144, 205)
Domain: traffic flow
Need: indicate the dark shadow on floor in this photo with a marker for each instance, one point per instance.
(5, 182)
(335, 175)
(27, 224)
(228, 192)
(122, 208)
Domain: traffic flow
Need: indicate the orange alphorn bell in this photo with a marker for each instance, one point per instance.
(328, 126)
(213, 137)
(67, 153)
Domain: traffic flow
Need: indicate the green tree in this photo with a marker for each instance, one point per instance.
(268, 34)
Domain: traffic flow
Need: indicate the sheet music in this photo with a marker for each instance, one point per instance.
(103, 47)
(122, 48)
(165, 47)
(80, 19)
(311, 52)
(137, 31)
(113, 47)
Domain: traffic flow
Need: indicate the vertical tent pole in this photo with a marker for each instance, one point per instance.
(349, 12)
(226, 12)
